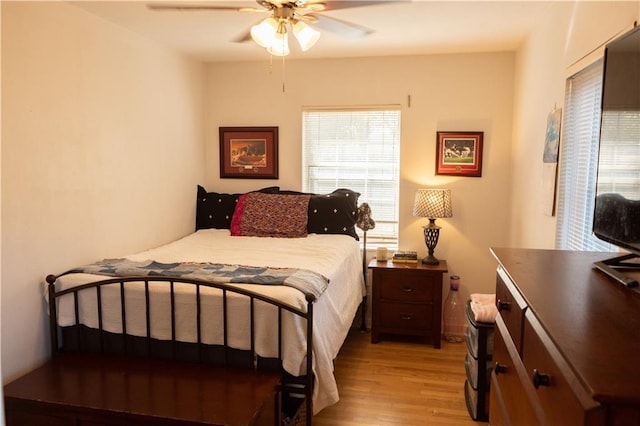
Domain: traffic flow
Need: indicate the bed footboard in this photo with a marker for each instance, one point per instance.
(296, 391)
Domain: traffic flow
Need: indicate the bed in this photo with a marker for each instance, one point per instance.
(233, 238)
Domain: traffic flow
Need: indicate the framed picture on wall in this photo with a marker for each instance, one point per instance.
(459, 153)
(249, 152)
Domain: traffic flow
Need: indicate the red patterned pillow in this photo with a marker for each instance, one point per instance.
(234, 227)
(272, 215)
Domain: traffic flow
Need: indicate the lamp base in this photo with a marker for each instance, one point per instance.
(430, 260)
(431, 234)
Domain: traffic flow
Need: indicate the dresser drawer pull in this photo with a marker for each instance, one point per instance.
(540, 379)
(406, 316)
(407, 289)
(503, 306)
(500, 368)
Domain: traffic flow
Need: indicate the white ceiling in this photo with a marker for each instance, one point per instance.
(400, 27)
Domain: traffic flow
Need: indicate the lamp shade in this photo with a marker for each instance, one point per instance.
(265, 32)
(305, 35)
(280, 45)
(365, 221)
(432, 203)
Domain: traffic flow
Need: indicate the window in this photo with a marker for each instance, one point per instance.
(358, 149)
(619, 153)
(579, 162)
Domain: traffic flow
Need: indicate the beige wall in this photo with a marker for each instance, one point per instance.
(572, 37)
(102, 148)
(448, 92)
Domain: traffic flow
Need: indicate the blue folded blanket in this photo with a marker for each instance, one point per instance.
(306, 281)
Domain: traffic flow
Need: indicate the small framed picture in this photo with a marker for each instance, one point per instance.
(459, 153)
(249, 152)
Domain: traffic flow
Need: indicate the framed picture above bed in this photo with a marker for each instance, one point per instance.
(459, 153)
(249, 152)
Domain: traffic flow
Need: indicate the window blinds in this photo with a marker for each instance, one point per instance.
(358, 149)
(578, 161)
(620, 153)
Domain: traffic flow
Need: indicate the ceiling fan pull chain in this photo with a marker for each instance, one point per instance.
(283, 74)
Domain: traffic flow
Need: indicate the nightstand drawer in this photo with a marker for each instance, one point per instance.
(406, 316)
(407, 286)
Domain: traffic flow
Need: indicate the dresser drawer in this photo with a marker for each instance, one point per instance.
(561, 396)
(408, 286)
(406, 316)
(511, 307)
(513, 399)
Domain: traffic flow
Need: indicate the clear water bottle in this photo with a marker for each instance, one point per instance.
(454, 319)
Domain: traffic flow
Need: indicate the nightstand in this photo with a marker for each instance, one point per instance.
(407, 299)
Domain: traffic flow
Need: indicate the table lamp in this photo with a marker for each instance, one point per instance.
(432, 204)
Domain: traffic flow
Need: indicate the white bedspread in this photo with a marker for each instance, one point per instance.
(337, 257)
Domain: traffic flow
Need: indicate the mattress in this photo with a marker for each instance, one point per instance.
(337, 257)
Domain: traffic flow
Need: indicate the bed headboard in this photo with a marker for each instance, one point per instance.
(333, 213)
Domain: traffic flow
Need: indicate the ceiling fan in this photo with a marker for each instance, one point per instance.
(289, 16)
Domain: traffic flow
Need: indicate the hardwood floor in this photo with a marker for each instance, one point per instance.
(398, 382)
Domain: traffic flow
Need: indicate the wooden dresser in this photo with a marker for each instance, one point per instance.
(566, 344)
(407, 299)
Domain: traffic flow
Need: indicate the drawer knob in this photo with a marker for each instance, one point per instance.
(503, 306)
(407, 289)
(406, 316)
(500, 368)
(540, 379)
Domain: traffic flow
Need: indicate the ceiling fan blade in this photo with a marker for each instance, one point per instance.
(243, 38)
(200, 8)
(347, 4)
(342, 28)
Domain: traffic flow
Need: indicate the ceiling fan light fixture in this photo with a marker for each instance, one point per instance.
(280, 44)
(264, 33)
(305, 35)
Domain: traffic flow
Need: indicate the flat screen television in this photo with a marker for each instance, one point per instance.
(617, 204)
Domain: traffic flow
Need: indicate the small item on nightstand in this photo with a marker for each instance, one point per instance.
(454, 316)
(381, 254)
(405, 257)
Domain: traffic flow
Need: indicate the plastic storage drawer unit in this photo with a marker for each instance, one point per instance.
(479, 337)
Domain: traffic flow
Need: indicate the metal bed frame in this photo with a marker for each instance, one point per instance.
(292, 387)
